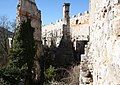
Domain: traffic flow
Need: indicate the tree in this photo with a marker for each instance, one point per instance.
(13, 25)
(21, 56)
(23, 50)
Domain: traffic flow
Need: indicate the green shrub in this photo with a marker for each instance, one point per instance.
(50, 73)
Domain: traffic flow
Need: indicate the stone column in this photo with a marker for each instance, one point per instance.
(66, 14)
(66, 26)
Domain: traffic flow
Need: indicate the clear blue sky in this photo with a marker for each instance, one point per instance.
(51, 9)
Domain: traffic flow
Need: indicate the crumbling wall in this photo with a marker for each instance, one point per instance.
(28, 8)
(104, 52)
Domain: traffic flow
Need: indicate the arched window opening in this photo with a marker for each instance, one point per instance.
(77, 21)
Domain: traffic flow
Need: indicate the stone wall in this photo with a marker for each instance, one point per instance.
(104, 51)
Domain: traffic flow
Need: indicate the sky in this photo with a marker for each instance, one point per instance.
(51, 10)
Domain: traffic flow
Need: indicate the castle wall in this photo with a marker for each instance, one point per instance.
(52, 31)
(104, 51)
(80, 26)
(79, 29)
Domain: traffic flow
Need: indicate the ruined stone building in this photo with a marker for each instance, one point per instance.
(99, 30)
(101, 27)
(79, 29)
(69, 35)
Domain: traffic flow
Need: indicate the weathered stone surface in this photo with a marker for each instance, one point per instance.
(104, 52)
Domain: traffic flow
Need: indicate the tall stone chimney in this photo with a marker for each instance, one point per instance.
(66, 14)
(66, 24)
